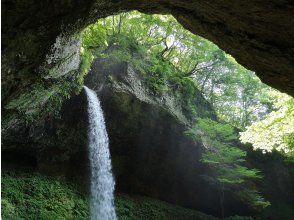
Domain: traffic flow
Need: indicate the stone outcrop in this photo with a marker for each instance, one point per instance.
(150, 153)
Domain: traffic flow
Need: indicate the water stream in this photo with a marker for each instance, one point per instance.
(102, 181)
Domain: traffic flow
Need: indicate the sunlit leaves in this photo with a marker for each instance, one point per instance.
(275, 131)
(94, 35)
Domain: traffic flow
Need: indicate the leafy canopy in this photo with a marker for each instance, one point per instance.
(276, 130)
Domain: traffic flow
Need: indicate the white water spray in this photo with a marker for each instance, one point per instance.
(102, 181)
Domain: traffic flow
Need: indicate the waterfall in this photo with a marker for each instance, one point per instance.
(102, 181)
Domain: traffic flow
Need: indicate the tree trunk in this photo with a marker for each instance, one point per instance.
(222, 200)
(119, 23)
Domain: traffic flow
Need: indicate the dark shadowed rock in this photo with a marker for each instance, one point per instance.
(54, 146)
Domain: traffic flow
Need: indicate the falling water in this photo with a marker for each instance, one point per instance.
(102, 182)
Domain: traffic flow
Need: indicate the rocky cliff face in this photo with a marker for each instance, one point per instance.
(54, 145)
(150, 154)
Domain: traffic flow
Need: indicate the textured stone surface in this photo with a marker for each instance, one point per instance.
(259, 34)
(120, 76)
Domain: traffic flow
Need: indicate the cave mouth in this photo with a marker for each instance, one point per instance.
(246, 31)
(159, 69)
(148, 41)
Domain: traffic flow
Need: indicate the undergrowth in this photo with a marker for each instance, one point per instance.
(33, 196)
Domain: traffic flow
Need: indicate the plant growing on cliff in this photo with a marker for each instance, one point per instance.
(226, 161)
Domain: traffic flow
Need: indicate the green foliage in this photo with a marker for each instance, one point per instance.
(94, 36)
(151, 44)
(217, 131)
(226, 162)
(237, 94)
(93, 41)
(31, 196)
(276, 130)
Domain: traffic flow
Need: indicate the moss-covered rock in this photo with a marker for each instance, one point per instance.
(116, 76)
(150, 153)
